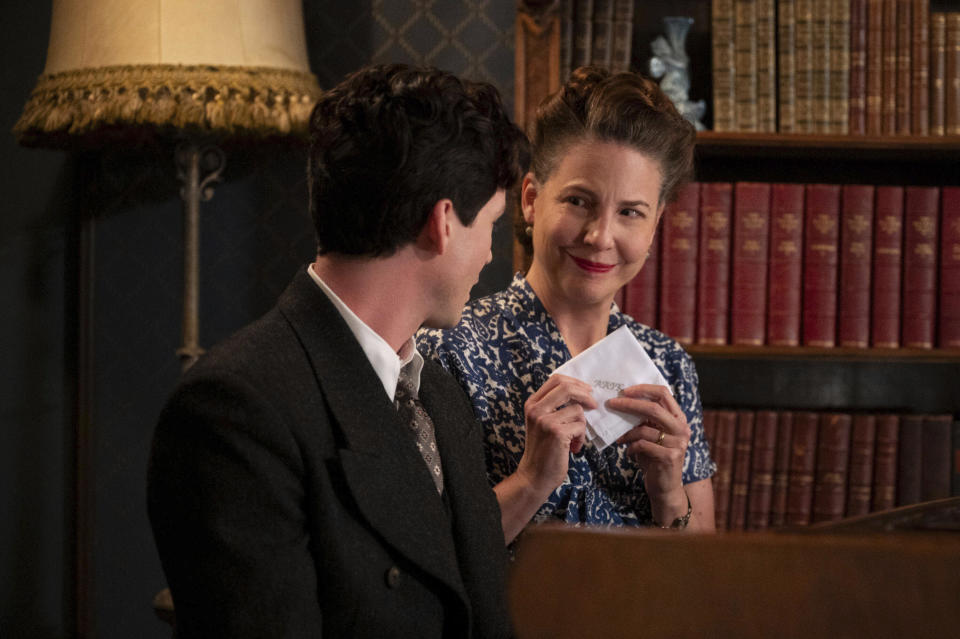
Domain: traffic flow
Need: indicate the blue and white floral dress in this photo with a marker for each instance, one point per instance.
(504, 348)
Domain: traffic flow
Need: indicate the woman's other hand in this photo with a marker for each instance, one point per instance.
(658, 444)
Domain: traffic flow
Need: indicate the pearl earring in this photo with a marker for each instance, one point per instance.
(529, 230)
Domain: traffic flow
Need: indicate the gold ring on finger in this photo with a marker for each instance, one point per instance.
(660, 439)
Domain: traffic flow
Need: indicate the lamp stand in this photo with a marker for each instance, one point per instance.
(198, 167)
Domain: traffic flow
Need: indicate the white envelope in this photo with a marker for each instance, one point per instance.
(612, 364)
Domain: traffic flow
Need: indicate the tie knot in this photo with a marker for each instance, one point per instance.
(405, 387)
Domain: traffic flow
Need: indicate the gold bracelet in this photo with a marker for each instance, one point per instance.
(680, 522)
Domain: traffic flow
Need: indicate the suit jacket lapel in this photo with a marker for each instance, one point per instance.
(462, 465)
(385, 472)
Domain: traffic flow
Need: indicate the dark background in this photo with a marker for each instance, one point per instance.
(90, 269)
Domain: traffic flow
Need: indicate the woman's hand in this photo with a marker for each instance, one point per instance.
(658, 445)
(555, 427)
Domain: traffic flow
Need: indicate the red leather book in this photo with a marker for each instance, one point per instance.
(949, 333)
(762, 463)
(856, 246)
(860, 478)
(857, 119)
(620, 297)
(920, 266)
(678, 265)
(820, 261)
(875, 64)
(833, 462)
(920, 63)
(710, 430)
(751, 237)
(936, 452)
(885, 462)
(781, 469)
(887, 267)
(642, 292)
(803, 460)
(889, 54)
(723, 455)
(904, 77)
(786, 265)
(740, 486)
(909, 459)
(713, 279)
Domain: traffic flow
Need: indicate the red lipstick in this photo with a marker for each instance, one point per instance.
(592, 267)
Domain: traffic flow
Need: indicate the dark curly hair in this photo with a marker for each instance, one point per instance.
(390, 141)
(617, 107)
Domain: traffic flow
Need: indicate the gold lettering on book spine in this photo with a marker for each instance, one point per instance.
(787, 247)
(889, 224)
(681, 220)
(788, 222)
(717, 220)
(858, 223)
(925, 226)
(824, 223)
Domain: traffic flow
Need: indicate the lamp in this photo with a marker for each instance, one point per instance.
(127, 71)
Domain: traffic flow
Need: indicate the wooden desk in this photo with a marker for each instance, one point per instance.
(583, 583)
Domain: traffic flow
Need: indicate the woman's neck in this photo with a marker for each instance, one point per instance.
(580, 325)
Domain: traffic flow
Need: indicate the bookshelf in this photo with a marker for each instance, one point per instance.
(799, 378)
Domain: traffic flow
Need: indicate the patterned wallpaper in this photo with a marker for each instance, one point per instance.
(472, 38)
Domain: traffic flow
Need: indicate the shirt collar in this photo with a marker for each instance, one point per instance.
(385, 362)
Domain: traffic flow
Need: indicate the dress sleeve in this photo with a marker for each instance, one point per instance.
(697, 464)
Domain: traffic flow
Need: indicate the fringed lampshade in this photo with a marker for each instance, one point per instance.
(135, 68)
(200, 72)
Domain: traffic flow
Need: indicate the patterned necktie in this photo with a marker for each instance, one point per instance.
(412, 412)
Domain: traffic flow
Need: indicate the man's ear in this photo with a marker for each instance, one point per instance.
(528, 195)
(435, 235)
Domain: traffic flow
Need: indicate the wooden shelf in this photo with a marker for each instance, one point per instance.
(879, 148)
(819, 353)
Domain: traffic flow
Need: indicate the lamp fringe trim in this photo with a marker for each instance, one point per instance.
(221, 101)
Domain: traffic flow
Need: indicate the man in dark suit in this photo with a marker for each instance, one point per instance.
(288, 495)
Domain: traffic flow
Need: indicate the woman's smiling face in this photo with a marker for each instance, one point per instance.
(593, 221)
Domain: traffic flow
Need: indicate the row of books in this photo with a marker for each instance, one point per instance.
(596, 32)
(792, 468)
(823, 265)
(859, 67)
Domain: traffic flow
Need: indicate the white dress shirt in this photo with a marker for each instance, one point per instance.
(386, 363)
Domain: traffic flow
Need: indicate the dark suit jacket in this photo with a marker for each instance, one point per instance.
(287, 499)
